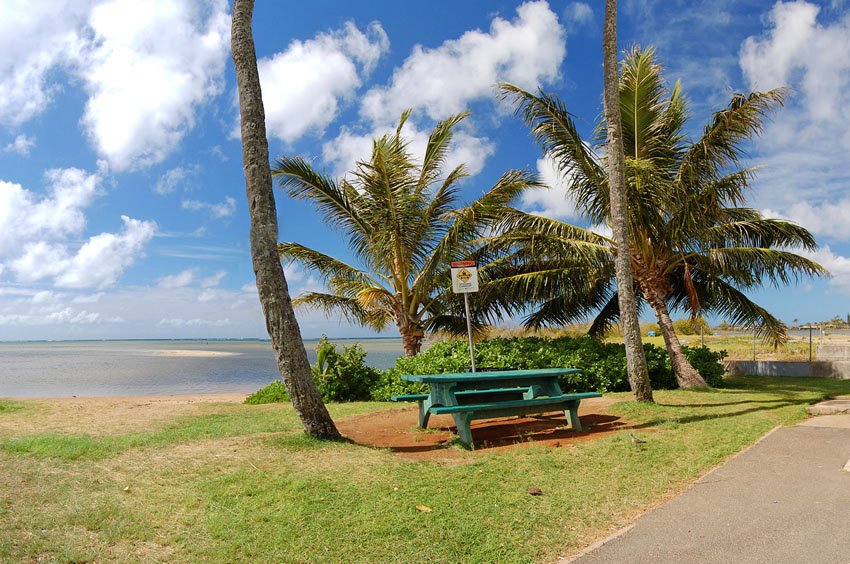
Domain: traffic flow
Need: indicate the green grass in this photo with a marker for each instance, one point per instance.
(8, 406)
(244, 484)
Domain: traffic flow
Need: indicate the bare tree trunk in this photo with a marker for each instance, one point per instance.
(686, 375)
(635, 358)
(274, 294)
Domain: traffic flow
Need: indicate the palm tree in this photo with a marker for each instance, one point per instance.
(693, 243)
(271, 283)
(619, 209)
(403, 229)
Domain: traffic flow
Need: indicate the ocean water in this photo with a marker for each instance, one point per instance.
(117, 368)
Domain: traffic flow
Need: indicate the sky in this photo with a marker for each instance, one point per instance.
(122, 201)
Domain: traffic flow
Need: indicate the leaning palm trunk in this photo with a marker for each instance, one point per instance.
(271, 284)
(635, 358)
(686, 375)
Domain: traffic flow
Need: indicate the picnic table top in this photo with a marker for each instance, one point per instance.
(494, 375)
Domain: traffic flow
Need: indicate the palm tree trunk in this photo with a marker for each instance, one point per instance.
(411, 339)
(271, 284)
(635, 358)
(686, 375)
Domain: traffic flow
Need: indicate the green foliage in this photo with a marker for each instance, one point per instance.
(343, 376)
(273, 393)
(689, 326)
(603, 364)
(339, 376)
(708, 363)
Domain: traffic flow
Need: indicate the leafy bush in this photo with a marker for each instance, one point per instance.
(603, 364)
(691, 326)
(343, 376)
(708, 363)
(273, 393)
(339, 376)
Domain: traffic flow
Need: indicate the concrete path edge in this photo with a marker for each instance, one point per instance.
(590, 548)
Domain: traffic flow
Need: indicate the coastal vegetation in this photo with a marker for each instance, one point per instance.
(694, 244)
(345, 376)
(231, 482)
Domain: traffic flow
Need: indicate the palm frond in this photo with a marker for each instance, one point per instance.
(553, 128)
(350, 308)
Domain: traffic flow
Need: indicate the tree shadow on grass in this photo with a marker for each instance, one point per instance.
(777, 404)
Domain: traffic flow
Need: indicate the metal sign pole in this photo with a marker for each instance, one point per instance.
(754, 342)
(469, 332)
(464, 281)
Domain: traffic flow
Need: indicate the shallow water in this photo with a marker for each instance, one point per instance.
(117, 368)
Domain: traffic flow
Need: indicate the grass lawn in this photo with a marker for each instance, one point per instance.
(235, 482)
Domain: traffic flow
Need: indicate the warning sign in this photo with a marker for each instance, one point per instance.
(464, 276)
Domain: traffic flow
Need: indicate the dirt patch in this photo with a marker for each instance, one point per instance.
(397, 430)
(110, 415)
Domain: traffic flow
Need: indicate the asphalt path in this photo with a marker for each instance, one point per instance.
(786, 499)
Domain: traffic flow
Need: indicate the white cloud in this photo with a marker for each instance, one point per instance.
(837, 265)
(24, 217)
(442, 81)
(147, 67)
(47, 254)
(806, 147)
(179, 280)
(87, 298)
(554, 202)
(343, 152)
(304, 85)
(218, 211)
(214, 280)
(578, 15)
(21, 145)
(104, 257)
(828, 219)
(208, 294)
(35, 38)
(196, 322)
(173, 178)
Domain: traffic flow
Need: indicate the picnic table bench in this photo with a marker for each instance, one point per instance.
(467, 396)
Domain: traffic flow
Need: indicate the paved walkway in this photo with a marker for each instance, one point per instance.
(787, 499)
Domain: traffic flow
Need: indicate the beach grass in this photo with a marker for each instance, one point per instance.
(243, 483)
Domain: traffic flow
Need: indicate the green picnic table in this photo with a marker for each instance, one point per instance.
(501, 393)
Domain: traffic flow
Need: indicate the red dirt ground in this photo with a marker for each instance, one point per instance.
(397, 430)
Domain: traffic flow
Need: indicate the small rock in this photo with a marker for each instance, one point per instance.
(534, 491)
(424, 508)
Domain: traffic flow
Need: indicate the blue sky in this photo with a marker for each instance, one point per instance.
(122, 206)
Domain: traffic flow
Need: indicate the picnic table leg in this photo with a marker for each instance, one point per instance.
(571, 413)
(424, 413)
(462, 421)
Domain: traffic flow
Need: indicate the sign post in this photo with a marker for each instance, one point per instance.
(465, 281)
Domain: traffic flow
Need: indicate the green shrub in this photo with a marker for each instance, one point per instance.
(343, 376)
(603, 364)
(691, 326)
(339, 376)
(708, 363)
(273, 393)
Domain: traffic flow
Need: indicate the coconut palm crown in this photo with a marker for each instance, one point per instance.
(694, 244)
(403, 227)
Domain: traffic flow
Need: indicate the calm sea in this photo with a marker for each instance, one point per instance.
(113, 368)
